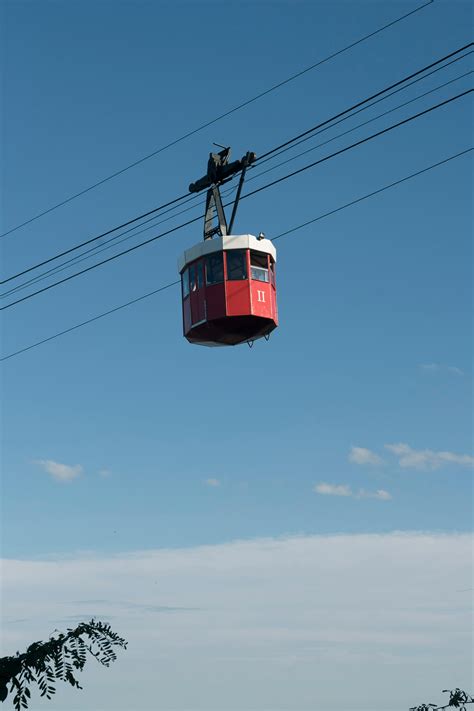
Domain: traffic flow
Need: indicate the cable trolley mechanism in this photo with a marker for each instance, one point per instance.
(228, 283)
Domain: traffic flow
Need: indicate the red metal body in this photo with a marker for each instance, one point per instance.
(229, 290)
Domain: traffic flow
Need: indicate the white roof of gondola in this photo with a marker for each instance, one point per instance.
(217, 244)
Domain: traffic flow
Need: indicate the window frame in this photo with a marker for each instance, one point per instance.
(192, 278)
(213, 256)
(199, 274)
(244, 262)
(259, 269)
(185, 283)
(272, 272)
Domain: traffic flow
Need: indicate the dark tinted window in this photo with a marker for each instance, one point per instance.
(259, 266)
(185, 283)
(192, 278)
(214, 268)
(200, 274)
(259, 259)
(236, 264)
(272, 271)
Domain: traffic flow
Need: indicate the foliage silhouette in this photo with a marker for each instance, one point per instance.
(458, 699)
(58, 659)
(44, 663)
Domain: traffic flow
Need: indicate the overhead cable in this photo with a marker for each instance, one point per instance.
(360, 103)
(108, 244)
(247, 195)
(93, 251)
(359, 143)
(359, 125)
(91, 320)
(218, 118)
(94, 239)
(279, 236)
(374, 192)
(289, 145)
(325, 125)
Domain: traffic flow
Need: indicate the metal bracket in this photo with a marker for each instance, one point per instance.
(237, 197)
(220, 171)
(214, 202)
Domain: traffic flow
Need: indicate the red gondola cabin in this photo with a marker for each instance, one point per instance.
(229, 290)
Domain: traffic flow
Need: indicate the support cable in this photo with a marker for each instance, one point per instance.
(116, 241)
(94, 239)
(108, 244)
(358, 143)
(254, 192)
(279, 236)
(297, 142)
(359, 125)
(266, 156)
(218, 118)
(360, 103)
(374, 192)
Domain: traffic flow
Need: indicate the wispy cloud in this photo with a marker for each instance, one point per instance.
(370, 606)
(345, 490)
(212, 482)
(333, 489)
(105, 473)
(361, 455)
(60, 472)
(454, 369)
(439, 368)
(430, 367)
(379, 494)
(410, 458)
(126, 605)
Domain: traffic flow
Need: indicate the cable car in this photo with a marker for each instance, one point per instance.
(228, 283)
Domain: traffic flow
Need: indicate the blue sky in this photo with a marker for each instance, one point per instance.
(356, 417)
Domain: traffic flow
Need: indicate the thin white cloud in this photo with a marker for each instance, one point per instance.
(345, 490)
(380, 494)
(333, 489)
(105, 473)
(410, 458)
(60, 472)
(438, 367)
(454, 369)
(212, 482)
(279, 621)
(362, 455)
(430, 367)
